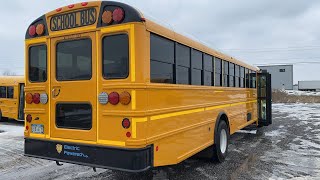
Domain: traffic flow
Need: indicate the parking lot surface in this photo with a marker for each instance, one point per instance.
(288, 149)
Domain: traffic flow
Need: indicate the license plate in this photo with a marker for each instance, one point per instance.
(37, 128)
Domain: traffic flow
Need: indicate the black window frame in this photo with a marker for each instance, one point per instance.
(103, 55)
(242, 77)
(196, 67)
(179, 65)
(208, 70)
(4, 92)
(171, 62)
(218, 74)
(225, 74)
(56, 62)
(29, 62)
(11, 95)
(247, 77)
(231, 74)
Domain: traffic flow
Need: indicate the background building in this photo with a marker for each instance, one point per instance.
(281, 76)
(309, 86)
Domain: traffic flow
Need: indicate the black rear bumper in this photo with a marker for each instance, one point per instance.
(131, 160)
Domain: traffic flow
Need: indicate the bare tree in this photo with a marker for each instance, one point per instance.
(8, 73)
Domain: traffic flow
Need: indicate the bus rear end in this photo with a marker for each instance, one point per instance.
(82, 86)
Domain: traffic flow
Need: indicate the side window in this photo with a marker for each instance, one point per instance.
(242, 79)
(37, 63)
(247, 78)
(225, 73)
(3, 92)
(162, 60)
(218, 71)
(183, 57)
(237, 76)
(10, 92)
(208, 78)
(115, 56)
(196, 64)
(231, 75)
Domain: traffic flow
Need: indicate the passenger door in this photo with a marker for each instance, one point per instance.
(21, 102)
(264, 99)
(74, 87)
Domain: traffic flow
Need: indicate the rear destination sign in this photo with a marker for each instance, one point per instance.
(73, 19)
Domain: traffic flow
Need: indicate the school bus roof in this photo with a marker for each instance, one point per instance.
(170, 34)
(11, 80)
(51, 19)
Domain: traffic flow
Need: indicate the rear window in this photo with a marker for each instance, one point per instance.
(38, 63)
(116, 56)
(74, 60)
(74, 116)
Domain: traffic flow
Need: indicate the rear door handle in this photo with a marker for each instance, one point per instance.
(54, 94)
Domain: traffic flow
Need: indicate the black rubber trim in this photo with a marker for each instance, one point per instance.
(40, 20)
(122, 159)
(217, 123)
(131, 14)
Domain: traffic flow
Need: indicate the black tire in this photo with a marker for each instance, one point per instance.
(217, 151)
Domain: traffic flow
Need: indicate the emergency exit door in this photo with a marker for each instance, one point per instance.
(264, 99)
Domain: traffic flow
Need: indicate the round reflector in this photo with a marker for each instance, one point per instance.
(32, 30)
(114, 98)
(118, 15)
(40, 29)
(59, 9)
(29, 98)
(29, 118)
(107, 17)
(125, 98)
(44, 98)
(36, 98)
(71, 6)
(128, 134)
(103, 98)
(126, 123)
(27, 128)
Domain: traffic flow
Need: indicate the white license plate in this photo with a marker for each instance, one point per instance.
(37, 128)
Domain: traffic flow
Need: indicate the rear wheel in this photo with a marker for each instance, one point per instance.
(220, 148)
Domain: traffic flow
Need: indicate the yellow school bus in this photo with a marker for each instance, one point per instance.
(107, 87)
(12, 97)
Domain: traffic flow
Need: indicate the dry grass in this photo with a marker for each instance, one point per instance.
(282, 97)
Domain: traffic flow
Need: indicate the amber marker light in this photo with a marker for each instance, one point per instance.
(40, 29)
(125, 98)
(29, 98)
(107, 17)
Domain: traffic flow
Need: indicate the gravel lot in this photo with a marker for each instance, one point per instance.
(288, 149)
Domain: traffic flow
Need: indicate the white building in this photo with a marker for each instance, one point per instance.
(281, 76)
(309, 86)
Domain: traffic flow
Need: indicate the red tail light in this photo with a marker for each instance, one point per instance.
(27, 128)
(36, 98)
(84, 3)
(126, 123)
(32, 30)
(114, 98)
(29, 118)
(118, 15)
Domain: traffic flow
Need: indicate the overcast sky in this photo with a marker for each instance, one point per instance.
(257, 32)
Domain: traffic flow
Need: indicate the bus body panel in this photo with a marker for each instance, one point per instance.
(168, 122)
